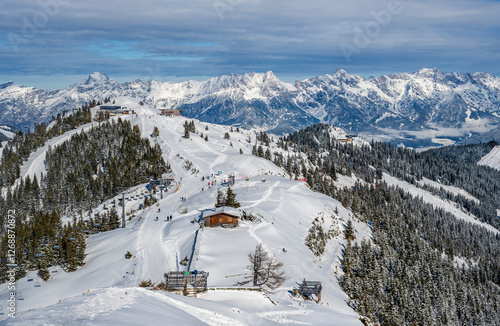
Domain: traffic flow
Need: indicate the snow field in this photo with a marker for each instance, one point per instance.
(104, 291)
(492, 159)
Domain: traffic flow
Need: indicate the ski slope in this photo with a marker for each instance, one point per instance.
(492, 159)
(451, 189)
(105, 290)
(436, 201)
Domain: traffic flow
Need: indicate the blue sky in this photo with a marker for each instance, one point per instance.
(55, 43)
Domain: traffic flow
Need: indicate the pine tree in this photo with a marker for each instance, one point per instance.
(260, 151)
(221, 200)
(43, 271)
(231, 199)
(349, 231)
(267, 155)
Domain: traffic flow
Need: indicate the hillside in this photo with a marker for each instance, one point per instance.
(287, 208)
(492, 159)
(291, 221)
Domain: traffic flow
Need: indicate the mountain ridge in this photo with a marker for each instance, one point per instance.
(425, 99)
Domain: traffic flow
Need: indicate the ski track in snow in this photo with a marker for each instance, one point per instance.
(492, 159)
(153, 251)
(34, 165)
(266, 197)
(281, 317)
(437, 202)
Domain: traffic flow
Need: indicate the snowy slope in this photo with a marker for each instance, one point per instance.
(437, 202)
(492, 159)
(451, 189)
(104, 291)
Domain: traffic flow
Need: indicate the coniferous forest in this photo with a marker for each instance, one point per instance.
(80, 174)
(22, 145)
(422, 265)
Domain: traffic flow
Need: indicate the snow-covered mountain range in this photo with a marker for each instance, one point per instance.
(446, 104)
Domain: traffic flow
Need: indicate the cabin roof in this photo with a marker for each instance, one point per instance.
(223, 210)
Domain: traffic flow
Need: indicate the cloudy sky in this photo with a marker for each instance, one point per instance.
(55, 43)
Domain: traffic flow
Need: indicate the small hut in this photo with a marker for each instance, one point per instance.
(223, 216)
(308, 288)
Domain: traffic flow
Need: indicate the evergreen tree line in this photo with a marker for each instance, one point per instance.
(43, 241)
(188, 128)
(451, 165)
(423, 266)
(90, 168)
(81, 173)
(22, 145)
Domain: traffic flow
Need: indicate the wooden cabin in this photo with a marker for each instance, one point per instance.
(172, 113)
(223, 216)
